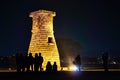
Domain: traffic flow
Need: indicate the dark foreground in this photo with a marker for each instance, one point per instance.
(61, 75)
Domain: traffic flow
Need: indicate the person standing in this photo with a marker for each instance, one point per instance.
(54, 67)
(36, 63)
(18, 62)
(105, 60)
(78, 61)
(30, 61)
(40, 61)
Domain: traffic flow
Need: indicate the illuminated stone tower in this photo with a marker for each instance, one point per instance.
(42, 39)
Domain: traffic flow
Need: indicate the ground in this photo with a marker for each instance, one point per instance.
(61, 75)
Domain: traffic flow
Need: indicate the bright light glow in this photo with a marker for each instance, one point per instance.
(113, 62)
(74, 68)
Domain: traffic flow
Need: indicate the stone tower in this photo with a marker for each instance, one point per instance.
(42, 39)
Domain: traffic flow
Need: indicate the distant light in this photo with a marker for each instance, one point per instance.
(9, 68)
(114, 62)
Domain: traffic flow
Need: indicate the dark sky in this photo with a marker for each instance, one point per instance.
(94, 24)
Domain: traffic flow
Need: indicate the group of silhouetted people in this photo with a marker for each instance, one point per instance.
(51, 68)
(23, 63)
(28, 63)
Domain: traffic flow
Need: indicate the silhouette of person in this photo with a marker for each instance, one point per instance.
(54, 67)
(40, 61)
(49, 67)
(25, 62)
(18, 62)
(105, 60)
(78, 61)
(36, 62)
(22, 62)
(30, 61)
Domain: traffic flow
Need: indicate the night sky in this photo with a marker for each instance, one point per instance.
(94, 24)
